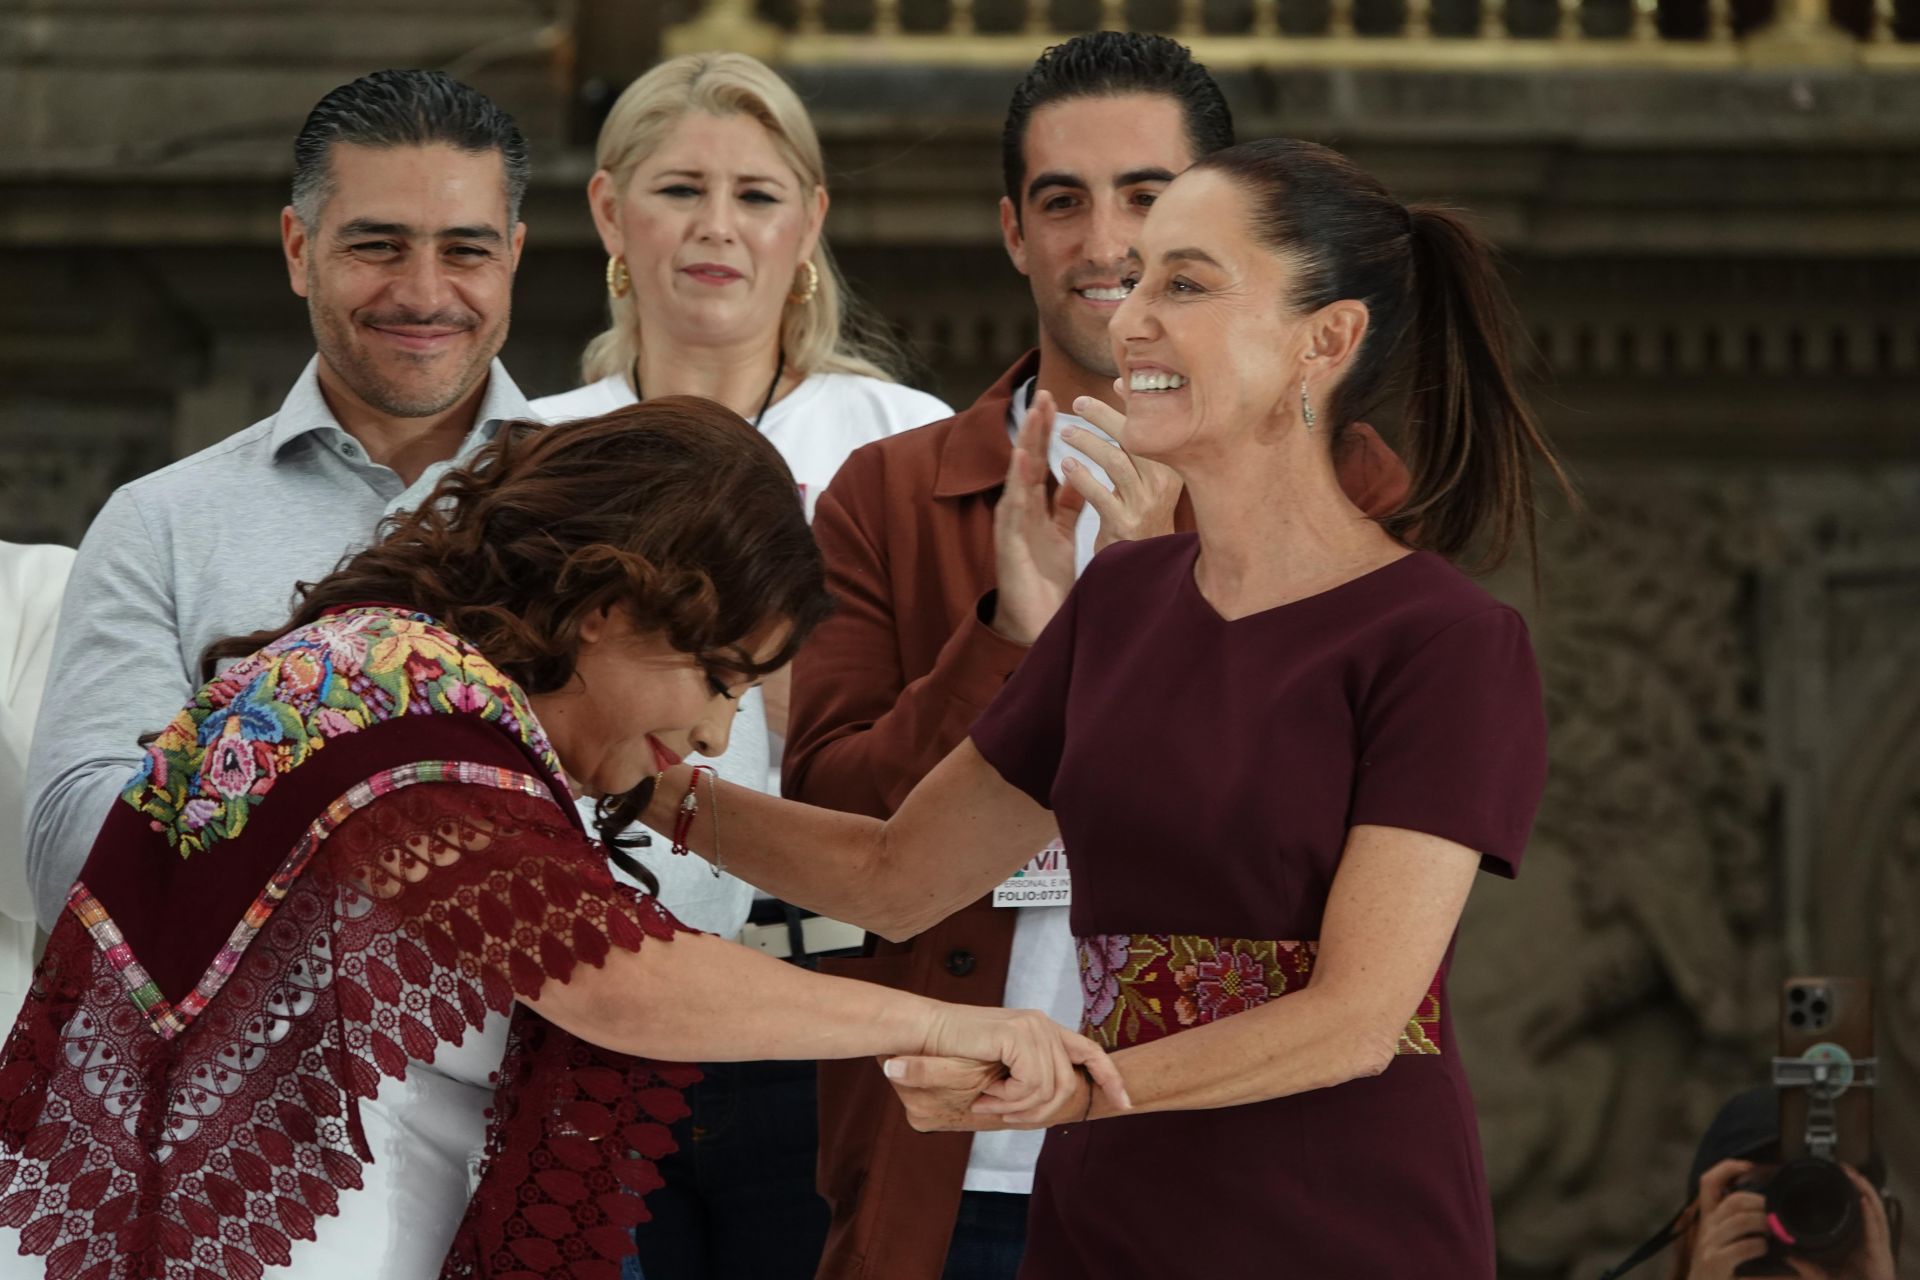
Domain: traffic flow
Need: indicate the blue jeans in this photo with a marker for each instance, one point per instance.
(988, 1237)
(739, 1202)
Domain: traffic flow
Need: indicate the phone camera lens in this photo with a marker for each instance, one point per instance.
(1797, 1018)
(1798, 995)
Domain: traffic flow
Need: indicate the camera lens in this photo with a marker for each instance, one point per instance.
(1816, 1204)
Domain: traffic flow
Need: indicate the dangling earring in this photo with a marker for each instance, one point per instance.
(802, 295)
(1306, 406)
(618, 281)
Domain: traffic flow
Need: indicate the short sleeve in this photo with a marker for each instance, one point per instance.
(1453, 741)
(1024, 730)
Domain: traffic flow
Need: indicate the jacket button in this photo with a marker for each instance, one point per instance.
(959, 962)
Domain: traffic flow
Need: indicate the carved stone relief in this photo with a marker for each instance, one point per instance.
(1855, 865)
(60, 461)
(1626, 984)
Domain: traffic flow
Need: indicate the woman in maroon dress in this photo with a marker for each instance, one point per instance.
(1279, 749)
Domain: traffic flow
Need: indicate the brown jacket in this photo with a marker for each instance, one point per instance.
(886, 687)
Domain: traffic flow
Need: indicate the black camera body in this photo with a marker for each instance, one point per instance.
(1814, 1121)
(1813, 1212)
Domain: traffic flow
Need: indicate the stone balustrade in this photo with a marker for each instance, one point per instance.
(1414, 34)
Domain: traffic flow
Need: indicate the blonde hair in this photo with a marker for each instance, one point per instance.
(830, 333)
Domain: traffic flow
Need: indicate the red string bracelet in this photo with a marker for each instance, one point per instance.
(689, 809)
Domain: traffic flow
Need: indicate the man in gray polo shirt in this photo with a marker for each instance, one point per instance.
(403, 237)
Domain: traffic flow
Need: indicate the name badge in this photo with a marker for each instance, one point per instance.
(1043, 882)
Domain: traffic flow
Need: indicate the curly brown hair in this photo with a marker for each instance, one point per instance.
(675, 510)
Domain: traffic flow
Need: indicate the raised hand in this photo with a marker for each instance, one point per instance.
(1145, 493)
(1033, 532)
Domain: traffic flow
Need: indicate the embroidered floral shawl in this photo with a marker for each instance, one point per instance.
(345, 852)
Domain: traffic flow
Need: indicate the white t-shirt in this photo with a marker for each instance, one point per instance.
(1043, 972)
(815, 426)
(427, 1133)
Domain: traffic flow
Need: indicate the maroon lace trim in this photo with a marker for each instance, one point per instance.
(124, 1156)
(569, 1159)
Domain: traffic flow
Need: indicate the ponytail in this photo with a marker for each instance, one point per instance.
(1471, 441)
(1437, 313)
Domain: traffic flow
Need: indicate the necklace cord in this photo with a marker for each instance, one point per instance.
(766, 402)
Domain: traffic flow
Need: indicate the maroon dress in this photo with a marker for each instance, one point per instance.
(1206, 773)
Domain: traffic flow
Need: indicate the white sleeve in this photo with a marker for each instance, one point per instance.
(31, 581)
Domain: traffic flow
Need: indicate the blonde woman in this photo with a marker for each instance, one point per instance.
(710, 197)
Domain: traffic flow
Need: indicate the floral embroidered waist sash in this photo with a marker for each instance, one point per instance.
(1139, 987)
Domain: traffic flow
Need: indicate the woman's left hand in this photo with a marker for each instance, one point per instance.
(946, 1095)
(1145, 494)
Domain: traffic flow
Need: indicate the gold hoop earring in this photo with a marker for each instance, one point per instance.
(1306, 406)
(801, 296)
(619, 282)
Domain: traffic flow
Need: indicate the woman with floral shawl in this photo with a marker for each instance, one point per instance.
(345, 989)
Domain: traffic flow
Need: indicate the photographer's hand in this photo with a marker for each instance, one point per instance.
(1732, 1225)
(1876, 1247)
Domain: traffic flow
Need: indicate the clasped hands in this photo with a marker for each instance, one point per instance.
(1001, 1069)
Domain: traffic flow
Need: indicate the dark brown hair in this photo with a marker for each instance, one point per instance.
(1438, 324)
(1105, 64)
(674, 510)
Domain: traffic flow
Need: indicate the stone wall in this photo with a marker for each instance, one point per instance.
(1729, 656)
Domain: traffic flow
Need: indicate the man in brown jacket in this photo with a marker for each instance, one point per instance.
(922, 642)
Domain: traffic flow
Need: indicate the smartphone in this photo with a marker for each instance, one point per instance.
(1832, 1011)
